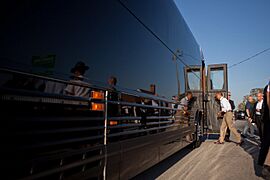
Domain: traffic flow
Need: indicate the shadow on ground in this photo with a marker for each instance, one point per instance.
(158, 169)
(251, 146)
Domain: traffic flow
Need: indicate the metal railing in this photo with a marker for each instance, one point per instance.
(59, 135)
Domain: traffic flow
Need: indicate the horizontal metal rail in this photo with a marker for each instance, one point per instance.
(140, 105)
(142, 130)
(65, 153)
(61, 119)
(90, 85)
(66, 130)
(61, 142)
(63, 168)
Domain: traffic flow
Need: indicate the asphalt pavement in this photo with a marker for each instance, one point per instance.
(211, 162)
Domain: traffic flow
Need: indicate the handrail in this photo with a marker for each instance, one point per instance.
(140, 105)
(91, 85)
(61, 142)
(141, 130)
(93, 131)
(60, 130)
(62, 168)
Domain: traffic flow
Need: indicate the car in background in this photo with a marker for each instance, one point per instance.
(240, 115)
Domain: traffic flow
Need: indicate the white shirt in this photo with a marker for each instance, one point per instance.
(183, 103)
(54, 87)
(225, 105)
(77, 90)
(259, 107)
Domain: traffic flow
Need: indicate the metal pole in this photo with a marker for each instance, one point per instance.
(203, 96)
(177, 75)
(105, 134)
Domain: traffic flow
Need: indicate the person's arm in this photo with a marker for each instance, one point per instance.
(247, 110)
(254, 110)
(262, 110)
(233, 105)
(222, 110)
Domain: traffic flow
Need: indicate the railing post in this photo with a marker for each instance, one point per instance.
(105, 134)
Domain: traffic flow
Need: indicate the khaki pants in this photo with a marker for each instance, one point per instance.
(227, 122)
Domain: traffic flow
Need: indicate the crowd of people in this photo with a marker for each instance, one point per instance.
(256, 113)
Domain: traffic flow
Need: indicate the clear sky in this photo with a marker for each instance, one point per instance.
(230, 31)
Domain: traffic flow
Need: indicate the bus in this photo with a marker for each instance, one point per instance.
(87, 88)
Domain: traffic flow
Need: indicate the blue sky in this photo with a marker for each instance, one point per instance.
(230, 31)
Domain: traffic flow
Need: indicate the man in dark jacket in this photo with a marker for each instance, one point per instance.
(258, 112)
(266, 120)
(231, 101)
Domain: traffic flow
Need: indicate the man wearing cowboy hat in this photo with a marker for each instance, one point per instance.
(81, 89)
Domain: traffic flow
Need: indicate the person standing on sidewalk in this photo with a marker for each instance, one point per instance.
(227, 137)
(258, 114)
(264, 156)
(249, 113)
(227, 122)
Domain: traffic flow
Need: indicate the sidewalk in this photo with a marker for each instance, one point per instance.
(217, 162)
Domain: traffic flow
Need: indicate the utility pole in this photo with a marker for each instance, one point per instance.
(174, 58)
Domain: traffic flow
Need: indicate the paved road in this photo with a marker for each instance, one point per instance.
(210, 162)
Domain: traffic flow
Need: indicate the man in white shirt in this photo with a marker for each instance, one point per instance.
(78, 87)
(258, 114)
(184, 102)
(227, 121)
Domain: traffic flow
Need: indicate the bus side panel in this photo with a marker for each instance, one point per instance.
(138, 155)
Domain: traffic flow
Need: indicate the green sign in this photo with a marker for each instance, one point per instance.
(43, 65)
(44, 62)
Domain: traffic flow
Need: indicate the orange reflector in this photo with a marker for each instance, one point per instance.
(97, 106)
(113, 123)
(97, 95)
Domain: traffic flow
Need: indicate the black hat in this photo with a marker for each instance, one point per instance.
(80, 66)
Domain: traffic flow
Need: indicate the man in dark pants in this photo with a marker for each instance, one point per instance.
(266, 119)
(258, 111)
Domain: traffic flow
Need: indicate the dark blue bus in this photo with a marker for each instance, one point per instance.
(86, 87)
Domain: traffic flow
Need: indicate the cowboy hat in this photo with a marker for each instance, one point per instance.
(80, 66)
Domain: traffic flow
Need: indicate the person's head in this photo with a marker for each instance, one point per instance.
(189, 95)
(250, 99)
(218, 95)
(112, 81)
(229, 95)
(79, 69)
(175, 98)
(259, 96)
(153, 88)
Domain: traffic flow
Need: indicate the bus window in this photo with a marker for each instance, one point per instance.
(193, 80)
(217, 79)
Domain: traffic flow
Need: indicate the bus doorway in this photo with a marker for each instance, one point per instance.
(203, 85)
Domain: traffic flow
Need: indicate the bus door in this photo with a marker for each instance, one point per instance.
(217, 81)
(203, 87)
(195, 85)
